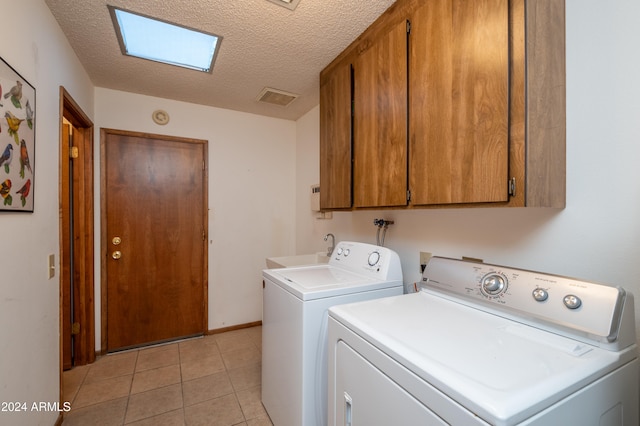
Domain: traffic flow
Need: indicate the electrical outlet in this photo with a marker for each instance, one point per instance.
(424, 259)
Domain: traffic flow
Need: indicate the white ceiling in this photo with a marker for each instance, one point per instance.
(264, 45)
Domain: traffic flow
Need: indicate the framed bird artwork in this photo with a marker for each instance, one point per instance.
(17, 140)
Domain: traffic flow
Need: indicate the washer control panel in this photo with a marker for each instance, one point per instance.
(368, 259)
(590, 307)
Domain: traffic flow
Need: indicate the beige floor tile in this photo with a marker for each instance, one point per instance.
(102, 391)
(241, 358)
(251, 403)
(256, 335)
(196, 349)
(204, 388)
(72, 380)
(223, 411)
(112, 366)
(190, 382)
(246, 377)
(159, 347)
(160, 356)
(110, 413)
(235, 340)
(260, 421)
(201, 367)
(154, 402)
(158, 377)
(172, 418)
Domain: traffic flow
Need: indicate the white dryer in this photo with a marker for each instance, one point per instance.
(294, 325)
(486, 345)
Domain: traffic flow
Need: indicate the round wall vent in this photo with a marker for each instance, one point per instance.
(160, 117)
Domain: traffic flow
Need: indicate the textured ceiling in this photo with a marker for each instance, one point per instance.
(264, 45)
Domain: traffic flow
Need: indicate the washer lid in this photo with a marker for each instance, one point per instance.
(319, 281)
(499, 369)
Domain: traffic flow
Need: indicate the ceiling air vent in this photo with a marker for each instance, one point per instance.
(276, 97)
(289, 4)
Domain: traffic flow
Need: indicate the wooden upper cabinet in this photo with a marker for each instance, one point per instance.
(335, 139)
(469, 109)
(380, 121)
(459, 102)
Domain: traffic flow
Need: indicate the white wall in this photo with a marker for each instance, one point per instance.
(597, 236)
(29, 302)
(257, 163)
(251, 187)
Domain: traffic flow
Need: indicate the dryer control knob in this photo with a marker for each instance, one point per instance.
(493, 284)
(540, 294)
(572, 301)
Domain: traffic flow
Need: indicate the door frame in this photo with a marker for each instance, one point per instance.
(104, 247)
(83, 186)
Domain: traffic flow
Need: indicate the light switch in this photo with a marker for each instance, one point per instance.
(52, 266)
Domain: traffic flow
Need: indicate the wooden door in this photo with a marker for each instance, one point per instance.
(76, 235)
(459, 106)
(335, 139)
(154, 237)
(380, 122)
(66, 242)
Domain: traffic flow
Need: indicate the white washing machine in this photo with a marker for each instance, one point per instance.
(294, 325)
(486, 345)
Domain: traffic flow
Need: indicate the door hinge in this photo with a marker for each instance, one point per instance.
(75, 328)
(408, 27)
(408, 195)
(204, 236)
(511, 187)
(74, 152)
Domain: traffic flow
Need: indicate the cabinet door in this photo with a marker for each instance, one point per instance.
(380, 122)
(459, 106)
(335, 139)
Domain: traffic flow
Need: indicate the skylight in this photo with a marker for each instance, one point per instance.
(289, 4)
(160, 41)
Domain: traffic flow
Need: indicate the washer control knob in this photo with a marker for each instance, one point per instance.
(494, 284)
(373, 258)
(347, 252)
(339, 251)
(540, 294)
(572, 301)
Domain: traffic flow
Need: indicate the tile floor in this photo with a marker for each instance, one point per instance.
(214, 380)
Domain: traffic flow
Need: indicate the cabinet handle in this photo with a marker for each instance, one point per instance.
(347, 409)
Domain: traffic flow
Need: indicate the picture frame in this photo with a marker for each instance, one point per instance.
(17, 141)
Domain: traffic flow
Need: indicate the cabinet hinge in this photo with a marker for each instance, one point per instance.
(511, 187)
(408, 195)
(75, 328)
(74, 152)
(408, 27)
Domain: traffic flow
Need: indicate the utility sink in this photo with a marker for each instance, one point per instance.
(298, 260)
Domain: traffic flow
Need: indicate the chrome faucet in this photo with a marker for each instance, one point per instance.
(333, 243)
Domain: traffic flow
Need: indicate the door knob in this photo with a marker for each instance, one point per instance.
(116, 254)
(116, 240)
